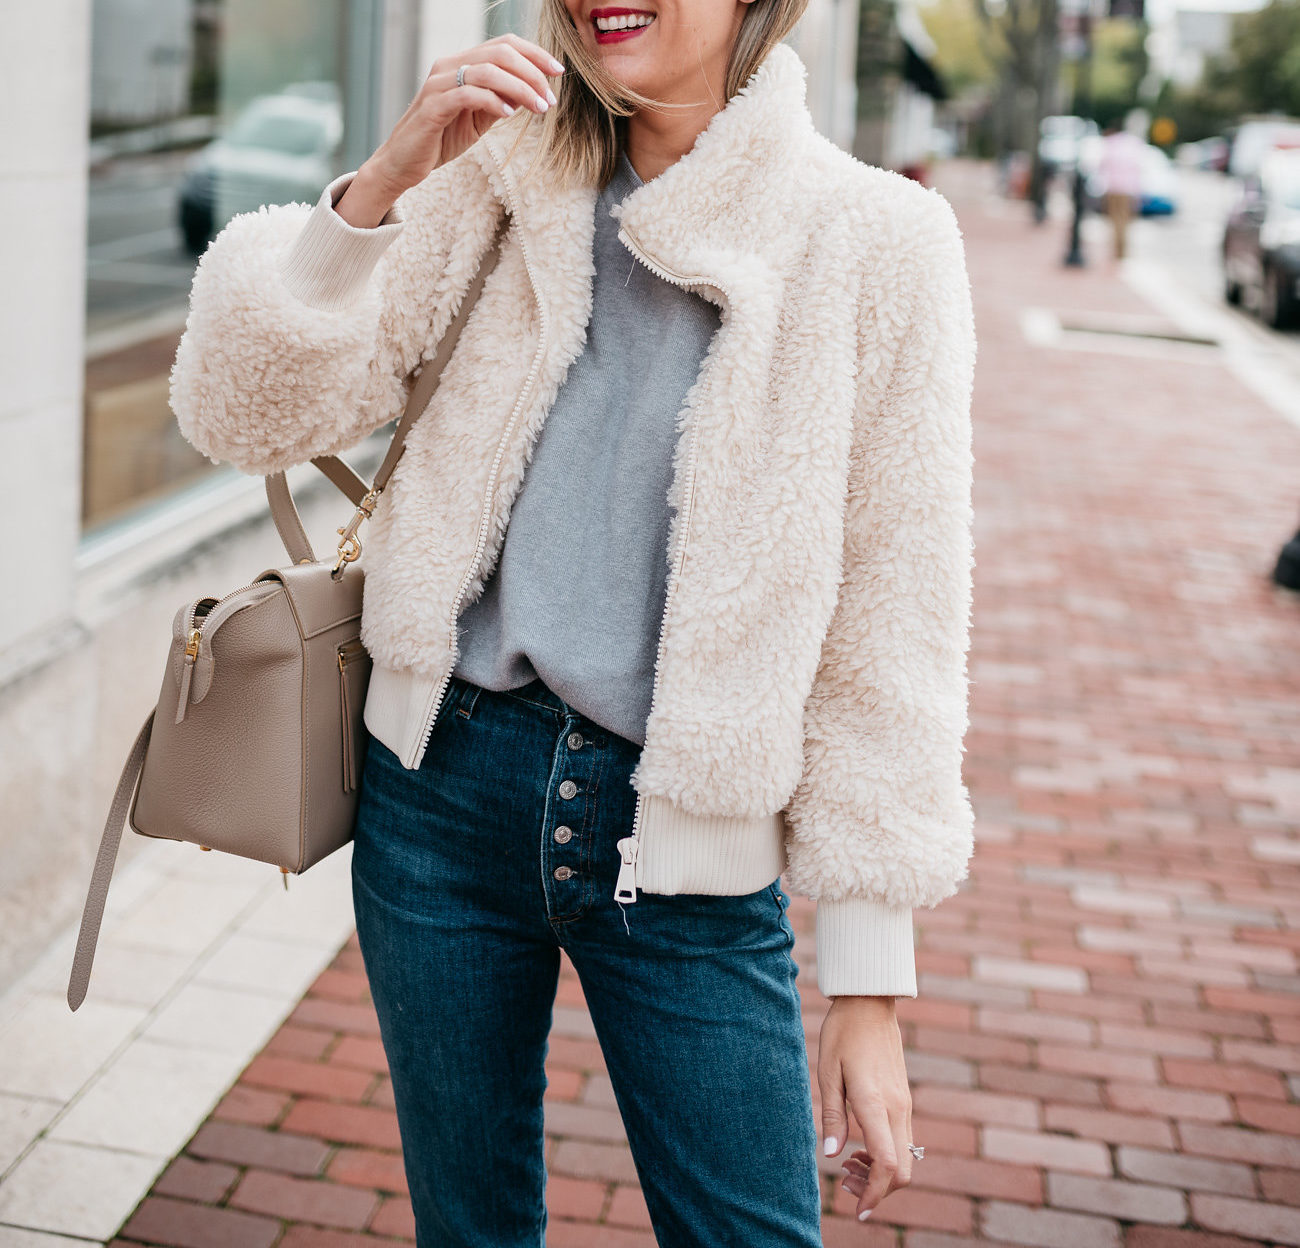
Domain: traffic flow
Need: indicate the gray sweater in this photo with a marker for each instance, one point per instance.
(577, 595)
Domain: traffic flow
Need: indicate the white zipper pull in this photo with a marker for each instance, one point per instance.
(625, 887)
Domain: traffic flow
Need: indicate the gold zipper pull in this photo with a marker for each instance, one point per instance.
(187, 672)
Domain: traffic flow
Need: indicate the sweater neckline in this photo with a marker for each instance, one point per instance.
(625, 179)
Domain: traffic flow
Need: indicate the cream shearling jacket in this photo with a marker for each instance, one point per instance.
(810, 695)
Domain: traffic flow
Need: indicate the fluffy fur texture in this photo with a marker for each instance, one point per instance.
(814, 656)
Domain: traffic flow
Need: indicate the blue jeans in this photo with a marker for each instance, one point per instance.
(469, 876)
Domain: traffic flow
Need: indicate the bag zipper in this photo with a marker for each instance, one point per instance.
(207, 615)
(212, 618)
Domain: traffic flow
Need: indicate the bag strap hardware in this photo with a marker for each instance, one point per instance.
(349, 548)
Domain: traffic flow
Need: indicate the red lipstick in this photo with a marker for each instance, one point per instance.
(619, 36)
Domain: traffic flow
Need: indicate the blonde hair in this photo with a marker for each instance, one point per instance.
(583, 132)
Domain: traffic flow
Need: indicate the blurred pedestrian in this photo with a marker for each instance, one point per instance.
(1120, 170)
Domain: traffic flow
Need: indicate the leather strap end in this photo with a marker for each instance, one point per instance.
(92, 916)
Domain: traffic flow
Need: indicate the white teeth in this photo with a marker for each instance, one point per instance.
(624, 22)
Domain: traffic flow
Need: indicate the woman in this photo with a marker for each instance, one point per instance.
(667, 597)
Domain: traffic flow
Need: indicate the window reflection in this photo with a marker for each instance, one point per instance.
(199, 110)
(281, 148)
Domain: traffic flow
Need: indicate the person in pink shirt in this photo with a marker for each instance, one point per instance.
(1120, 170)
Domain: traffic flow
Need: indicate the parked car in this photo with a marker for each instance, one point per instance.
(280, 149)
(1211, 154)
(1252, 140)
(1059, 141)
(1158, 180)
(1261, 240)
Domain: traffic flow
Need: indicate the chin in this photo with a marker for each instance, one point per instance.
(645, 83)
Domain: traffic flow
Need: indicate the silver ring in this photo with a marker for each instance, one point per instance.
(917, 1150)
(460, 75)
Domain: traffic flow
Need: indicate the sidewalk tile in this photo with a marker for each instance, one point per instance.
(73, 1189)
(146, 1102)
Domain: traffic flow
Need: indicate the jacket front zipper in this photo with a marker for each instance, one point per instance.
(431, 710)
(630, 873)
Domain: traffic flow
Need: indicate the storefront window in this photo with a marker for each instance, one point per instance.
(199, 110)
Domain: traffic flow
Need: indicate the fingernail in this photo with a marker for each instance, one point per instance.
(557, 66)
(550, 95)
(830, 1146)
(864, 1215)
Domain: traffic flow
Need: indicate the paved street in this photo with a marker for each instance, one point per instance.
(1106, 1046)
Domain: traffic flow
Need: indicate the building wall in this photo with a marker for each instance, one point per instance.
(43, 66)
(447, 28)
(826, 40)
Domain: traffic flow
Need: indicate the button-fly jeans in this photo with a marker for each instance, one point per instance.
(469, 876)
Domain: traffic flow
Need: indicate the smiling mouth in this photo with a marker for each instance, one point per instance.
(614, 25)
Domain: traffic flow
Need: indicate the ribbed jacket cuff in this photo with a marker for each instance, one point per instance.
(865, 948)
(328, 264)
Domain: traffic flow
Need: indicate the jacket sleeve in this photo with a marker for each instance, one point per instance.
(293, 339)
(881, 821)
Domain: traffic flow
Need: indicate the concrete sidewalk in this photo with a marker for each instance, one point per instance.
(1106, 1046)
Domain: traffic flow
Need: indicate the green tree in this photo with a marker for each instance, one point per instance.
(1119, 64)
(1258, 73)
(962, 53)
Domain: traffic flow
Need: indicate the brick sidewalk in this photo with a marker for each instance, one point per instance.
(1106, 1046)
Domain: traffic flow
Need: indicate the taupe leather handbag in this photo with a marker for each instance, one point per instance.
(256, 745)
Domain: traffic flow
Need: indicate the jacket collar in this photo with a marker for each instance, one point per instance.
(719, 216)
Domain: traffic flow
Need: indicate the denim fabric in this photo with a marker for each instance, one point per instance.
(469, 876)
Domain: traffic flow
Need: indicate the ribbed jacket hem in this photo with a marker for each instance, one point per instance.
(683, 852)
(329, 263)
(864, 946)
(397, 704)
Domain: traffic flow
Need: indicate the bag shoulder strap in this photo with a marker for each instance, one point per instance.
(93, 914)
(423, 380)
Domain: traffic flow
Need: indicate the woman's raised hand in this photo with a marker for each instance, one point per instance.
(503, 74)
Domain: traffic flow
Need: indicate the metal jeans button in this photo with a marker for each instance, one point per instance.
(563, 873)
(575, 740)
(568, 789)
(563, 834)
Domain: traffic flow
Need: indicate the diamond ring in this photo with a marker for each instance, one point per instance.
(460, 75)
(917, 1150)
